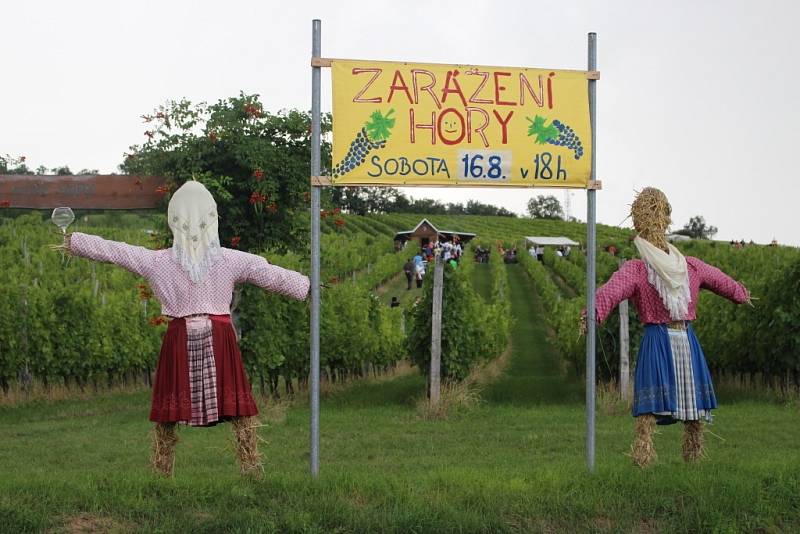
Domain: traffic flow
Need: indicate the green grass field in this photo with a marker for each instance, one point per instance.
(514, 463)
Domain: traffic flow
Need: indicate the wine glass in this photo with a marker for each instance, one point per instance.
(62, 217)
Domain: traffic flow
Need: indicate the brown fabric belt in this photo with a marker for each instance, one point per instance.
(677, 325)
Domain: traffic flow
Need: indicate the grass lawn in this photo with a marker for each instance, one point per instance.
(515, 463)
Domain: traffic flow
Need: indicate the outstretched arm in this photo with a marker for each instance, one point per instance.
(135, 259)
(621, 286)
(720, 283)
(258, 271)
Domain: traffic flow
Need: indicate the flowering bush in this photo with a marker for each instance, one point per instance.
(255, 163)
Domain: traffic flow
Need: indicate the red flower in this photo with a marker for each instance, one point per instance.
(323, 214)
(144, 292)
(339, 222)
(337, 211)
(258, 174)
(158, 320)
(5, 203)
(257, 198)
(252, 110)
(162, 189)
(235, 241)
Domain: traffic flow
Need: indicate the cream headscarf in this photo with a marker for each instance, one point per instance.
(192, 217)
(669, 274)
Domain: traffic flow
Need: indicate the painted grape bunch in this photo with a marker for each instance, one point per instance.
(557, 133)
(372, 136)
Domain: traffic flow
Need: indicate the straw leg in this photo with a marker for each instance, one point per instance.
(246, 437)
(643, 453)
(693, 441)
(162, 459)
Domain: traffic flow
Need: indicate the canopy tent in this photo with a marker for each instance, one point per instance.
(551, 241)
(678, 237)
(426, 231)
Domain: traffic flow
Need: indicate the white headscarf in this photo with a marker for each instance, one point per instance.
(192, 217)
(669, 274)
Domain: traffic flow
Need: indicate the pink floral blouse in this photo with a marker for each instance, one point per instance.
(178, 295)
(630, 282)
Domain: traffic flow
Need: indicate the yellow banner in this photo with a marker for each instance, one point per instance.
(425, 124)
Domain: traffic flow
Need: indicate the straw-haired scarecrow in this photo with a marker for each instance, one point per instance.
(200, 380)
(672, 382)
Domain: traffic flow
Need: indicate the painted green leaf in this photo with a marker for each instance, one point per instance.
(379, 127)
(542, 132)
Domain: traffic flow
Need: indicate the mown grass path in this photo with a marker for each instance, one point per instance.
(535, 375)
(481, 279)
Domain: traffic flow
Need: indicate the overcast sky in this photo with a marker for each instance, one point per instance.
(695, 96)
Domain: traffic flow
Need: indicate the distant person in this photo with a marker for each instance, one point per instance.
(408, 269)
(419, 270)
(395, 303)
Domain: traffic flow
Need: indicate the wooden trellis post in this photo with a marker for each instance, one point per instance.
(436, 332)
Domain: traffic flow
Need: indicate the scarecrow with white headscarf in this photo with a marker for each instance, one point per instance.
(672, 382)
(200, 380)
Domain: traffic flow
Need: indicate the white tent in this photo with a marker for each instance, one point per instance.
(550, 241)
(678, 237)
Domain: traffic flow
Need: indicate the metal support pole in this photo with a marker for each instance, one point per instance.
(316, 80)
(591, 247)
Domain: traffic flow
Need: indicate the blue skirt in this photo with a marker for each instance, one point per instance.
(656, 388)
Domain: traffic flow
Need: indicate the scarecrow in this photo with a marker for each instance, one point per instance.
(200, 380)
(672, 382)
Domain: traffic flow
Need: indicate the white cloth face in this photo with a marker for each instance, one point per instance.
(193, 219)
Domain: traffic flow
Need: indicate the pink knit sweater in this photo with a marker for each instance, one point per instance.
(630, 282)
(176, 292)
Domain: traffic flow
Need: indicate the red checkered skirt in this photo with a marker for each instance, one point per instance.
(189, 388)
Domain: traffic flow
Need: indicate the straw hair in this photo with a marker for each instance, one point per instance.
(693, 441)
(651, 216)
(162, 459)
(643, 453)
(246, 436)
